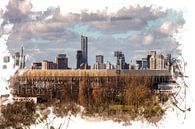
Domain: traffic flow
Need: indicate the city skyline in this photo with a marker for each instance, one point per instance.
(124, 61)
(43, 34)
(151, 61)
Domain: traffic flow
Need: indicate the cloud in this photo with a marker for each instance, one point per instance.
(83, 29)
(125, 19)
(169, 28)
(148, 39)
(18, 11)
(128, 29)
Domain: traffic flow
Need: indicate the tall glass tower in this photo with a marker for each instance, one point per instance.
(84, 48)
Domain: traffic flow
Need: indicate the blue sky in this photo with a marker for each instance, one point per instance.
(131, 29)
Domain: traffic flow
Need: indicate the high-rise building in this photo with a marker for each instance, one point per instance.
(51, 65)
(148, 60)
(168, 62)
(152, 53)
(160, 64)
(22, 59)
(152, 62)
(62, 61)
(142, 64)
(99, 66)
(79, 57)
(120, 61)
(19, 59)
(100, 59)
(99, 62)
(151, 58)
(84, 48)
(47, 65)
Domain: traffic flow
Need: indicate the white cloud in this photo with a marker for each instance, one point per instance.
(167, 28)
(148, 39)
(76, 6)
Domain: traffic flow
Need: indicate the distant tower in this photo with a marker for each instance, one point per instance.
(120, 60)
(152, 62)
(84, 48)
(160, 63)
(45, 65)
(168, 62)
(99, 62)
(19, 59)
(22, 59)
(79, 57)
(62, 61)
(100, 59)
(151, 59)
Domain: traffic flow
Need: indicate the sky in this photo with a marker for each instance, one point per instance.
(27, 22)
(51, 27)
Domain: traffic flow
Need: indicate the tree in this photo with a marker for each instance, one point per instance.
(83, 95)
(137, 92)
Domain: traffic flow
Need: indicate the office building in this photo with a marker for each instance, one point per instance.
(100, 59)
(82, 55)
(99, 66)
(151, 58)
(19, 59)
(142, 64)
(45, 65)
(99, 62)
(152, 62)
(79, 57)
(84, 48)
(160, 64)
(120, 61)
(62, 61)
(109, 65)
(152, 53)
(37, 65)
(48, 65)
(168, 62)
(96, 66)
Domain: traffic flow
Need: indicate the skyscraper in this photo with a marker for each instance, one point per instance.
(79, 57)
(100, 59)
(120, 60)
(99, 62)
(152, 62)
(19, 59)
(160, 64)
(62, 61)
(84, 48)
(168, 62)
(151, 59)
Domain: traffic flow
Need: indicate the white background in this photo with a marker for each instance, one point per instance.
(186, 39)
